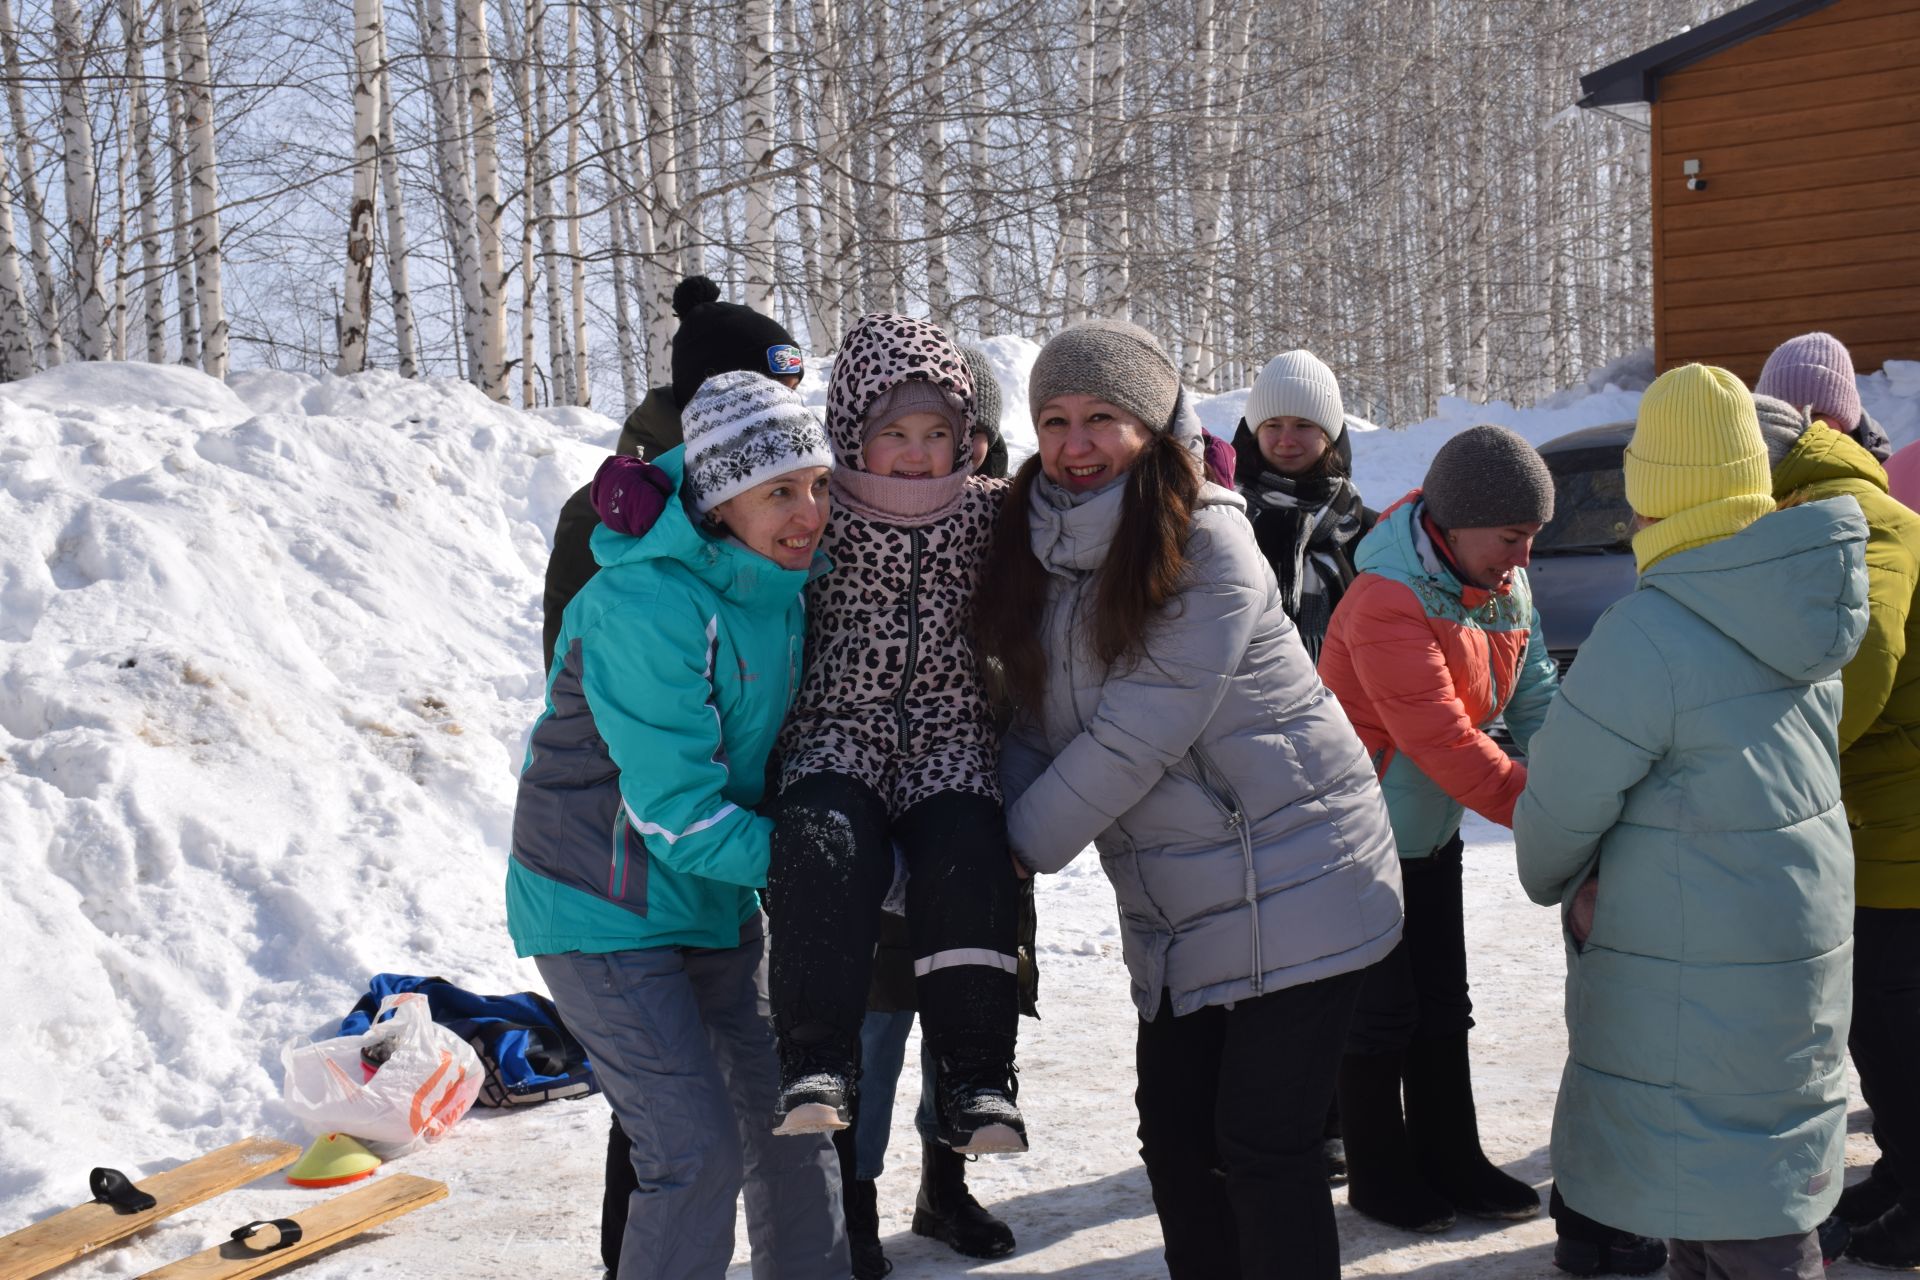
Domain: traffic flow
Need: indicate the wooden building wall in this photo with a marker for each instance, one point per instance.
(1808, 138)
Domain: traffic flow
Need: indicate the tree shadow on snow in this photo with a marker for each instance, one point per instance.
(1041, 1219)
(1362, 1237)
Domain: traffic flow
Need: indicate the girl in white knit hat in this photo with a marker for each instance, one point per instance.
(1294, 466)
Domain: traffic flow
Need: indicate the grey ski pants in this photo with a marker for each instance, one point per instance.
(1774, 1258)
(680, 1040)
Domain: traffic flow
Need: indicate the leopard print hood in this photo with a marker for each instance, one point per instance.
(879, 352)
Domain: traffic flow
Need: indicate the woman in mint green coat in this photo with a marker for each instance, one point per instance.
(1683, 810)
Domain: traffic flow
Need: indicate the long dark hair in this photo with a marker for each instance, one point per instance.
(1143, 571)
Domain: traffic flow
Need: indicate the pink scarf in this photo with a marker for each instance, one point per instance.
(892, 500)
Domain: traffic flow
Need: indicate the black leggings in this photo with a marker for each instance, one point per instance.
(832, 864)
(1420, 989)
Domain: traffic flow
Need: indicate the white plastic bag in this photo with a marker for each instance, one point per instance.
(415, 1080)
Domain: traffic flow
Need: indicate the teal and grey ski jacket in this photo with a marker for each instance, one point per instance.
(674, 666)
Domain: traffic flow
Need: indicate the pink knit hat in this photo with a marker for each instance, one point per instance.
(1814, 370)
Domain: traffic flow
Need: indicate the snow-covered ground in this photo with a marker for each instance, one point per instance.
(267, 656)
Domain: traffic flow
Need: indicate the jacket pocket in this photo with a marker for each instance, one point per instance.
(1224, 798)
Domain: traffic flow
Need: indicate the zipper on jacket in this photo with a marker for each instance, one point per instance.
(913, 640)
(1223, 797)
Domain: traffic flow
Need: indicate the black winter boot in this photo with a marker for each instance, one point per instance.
(1588, 1248)
(863, 1230)
(621, 1184)
(1445, 1134)
(1332, 1146)
(1382, 1179)
(947, 1212)
(816, 1090)
(974, 1111)
(1864, 1201)
(1890, 1242)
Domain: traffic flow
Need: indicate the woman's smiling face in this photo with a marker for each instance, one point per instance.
(1087, 443)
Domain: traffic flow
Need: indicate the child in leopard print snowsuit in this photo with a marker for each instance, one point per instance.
(891, 742)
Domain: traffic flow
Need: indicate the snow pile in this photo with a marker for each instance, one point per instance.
(267, 655)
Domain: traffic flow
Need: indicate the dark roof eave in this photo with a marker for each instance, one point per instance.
(1637, 78)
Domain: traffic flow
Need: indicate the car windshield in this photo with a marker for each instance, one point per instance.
(1590, 511)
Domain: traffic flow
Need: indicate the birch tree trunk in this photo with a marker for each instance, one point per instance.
(16, 342)
(582, 385)
(456, 173)
(356, 307)
(196, 82)
(189, 303)
(806, 207)
(611, 152)
(1078, 237)
(670, 234)
(980, 160)
(477, 72)
(152, 268)
(652, 275)
(39, 230)
(756, 53)
(1479, 263)
(530, 89)
(405, 332)
(1108, 173)
(91, 336)
(933, 164)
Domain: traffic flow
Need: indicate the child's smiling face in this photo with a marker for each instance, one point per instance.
(914, 446)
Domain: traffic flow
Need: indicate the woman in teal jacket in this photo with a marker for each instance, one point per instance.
(1683, 810)
(637, 848)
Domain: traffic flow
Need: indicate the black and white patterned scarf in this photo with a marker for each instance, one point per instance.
(1306, 528)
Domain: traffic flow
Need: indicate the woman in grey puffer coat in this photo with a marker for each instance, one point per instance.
(1166, 712)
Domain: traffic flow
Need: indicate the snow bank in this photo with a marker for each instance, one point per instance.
(267, 653)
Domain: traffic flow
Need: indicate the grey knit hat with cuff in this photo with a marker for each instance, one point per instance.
(1488, 477)
(1119, 362)
(744, 429)
(1781, 426)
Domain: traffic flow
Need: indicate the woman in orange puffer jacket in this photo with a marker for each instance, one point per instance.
(1435, 640)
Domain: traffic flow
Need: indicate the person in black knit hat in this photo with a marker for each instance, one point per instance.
(714, 337)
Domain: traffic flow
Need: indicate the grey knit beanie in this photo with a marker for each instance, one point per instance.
(1121, 363)
(1485, 478)
(744, 429)
(1781, 425)
(986, 391)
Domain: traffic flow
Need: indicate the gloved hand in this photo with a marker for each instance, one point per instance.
(629, 494)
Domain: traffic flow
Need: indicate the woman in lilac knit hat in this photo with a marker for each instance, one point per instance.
(1815, 371)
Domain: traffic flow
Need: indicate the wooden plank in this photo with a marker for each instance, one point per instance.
(1768, 332)
(1706, 80)
(1812, 122)
(322, 1226)
(1813, 180)
(1688, 214)
(1793, 153)
(1729, 264)
(1792, 95)
(1851, 30)
(75, 1232)
(1815, 312)
(1658, 233)
(1868, 357)
(1787, 278)
(1798, 230)
(1847, 11)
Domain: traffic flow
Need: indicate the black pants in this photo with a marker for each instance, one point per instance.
(1886, 1037)
(1233, 1103)
(1420, 988)
(832, 863)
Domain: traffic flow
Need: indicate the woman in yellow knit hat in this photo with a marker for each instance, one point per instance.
(1683, 810)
